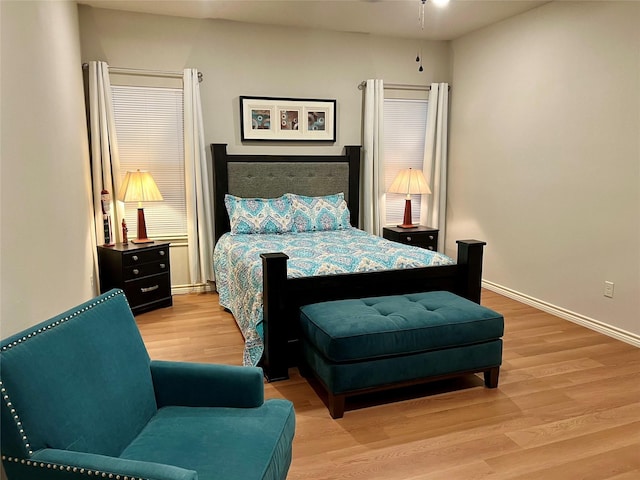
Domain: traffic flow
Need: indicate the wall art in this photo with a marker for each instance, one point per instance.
(275, 118)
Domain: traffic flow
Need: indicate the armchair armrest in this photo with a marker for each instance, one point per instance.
(50, 463)
(206, 385)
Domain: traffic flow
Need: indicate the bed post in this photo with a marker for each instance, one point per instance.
(352, 152)
(274, 276)
(470, 255)
(220, 159)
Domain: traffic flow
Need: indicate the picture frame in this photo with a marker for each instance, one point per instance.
(287, 119)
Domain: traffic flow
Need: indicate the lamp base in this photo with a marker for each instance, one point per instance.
(142, 240)
(142, 229)
(406, 221)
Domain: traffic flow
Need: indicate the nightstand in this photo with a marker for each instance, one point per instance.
(142, 271)
(424, 237)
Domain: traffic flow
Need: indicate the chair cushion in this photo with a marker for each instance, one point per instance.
(220, 443)
(366, 328)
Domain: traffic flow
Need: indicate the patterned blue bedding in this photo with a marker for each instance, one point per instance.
(238, 268)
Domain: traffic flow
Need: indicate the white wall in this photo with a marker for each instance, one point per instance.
(545, 156)
(46, 261)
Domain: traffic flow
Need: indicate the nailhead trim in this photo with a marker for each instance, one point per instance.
(62, 320)
(3, 390)
(70, 468)
(16, 418)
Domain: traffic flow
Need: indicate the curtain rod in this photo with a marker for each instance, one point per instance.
(145, 73)
(398, 86)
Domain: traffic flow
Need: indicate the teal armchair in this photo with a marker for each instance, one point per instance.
(81, 399)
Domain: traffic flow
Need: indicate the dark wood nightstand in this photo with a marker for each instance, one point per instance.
(424, 237)
(142, 271)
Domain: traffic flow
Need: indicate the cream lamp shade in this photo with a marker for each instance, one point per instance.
(139, 186)
(408, 182)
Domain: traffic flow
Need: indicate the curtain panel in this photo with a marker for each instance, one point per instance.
(372, 202)
(105, 164)
(198, 192)
(433, 208)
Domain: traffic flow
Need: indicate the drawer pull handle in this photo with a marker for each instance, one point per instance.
(136, 271)
(161, 252)
(134, 258)
(408, 239)
(149, 289)
(430, 247)
(430, 237)
(162, 265)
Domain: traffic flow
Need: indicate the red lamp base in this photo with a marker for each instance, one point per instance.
(142, 229)
(142, 240)
(406, 221)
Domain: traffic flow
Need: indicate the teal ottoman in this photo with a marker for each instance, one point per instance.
(368, 344)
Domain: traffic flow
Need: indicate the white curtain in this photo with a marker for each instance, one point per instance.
(105, 163)
(199, 205)
(372, 211)
(433, 208)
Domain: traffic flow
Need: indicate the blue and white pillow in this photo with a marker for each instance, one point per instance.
(259, 215)
(311, 214)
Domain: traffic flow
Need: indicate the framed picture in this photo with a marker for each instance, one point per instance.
(301, 119)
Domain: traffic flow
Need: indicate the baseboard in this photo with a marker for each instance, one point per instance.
(198, 288)
(617, 333)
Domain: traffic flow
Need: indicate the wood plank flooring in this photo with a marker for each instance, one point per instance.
(567, 406)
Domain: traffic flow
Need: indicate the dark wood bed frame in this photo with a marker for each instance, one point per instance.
(282, 296)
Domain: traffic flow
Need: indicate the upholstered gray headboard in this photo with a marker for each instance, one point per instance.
(272, 179)
(269, 176)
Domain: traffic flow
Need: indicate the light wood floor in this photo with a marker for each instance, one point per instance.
(567, 406)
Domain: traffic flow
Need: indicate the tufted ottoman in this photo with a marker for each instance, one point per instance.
(362, 345)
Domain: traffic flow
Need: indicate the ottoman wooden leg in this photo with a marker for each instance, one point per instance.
(491, 377)
(336, 405)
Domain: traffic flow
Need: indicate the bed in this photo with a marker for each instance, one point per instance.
(285, 289)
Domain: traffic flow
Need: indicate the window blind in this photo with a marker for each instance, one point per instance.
(149, 125)
(405, 123)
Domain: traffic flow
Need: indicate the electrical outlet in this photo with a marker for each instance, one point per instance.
(608, 289)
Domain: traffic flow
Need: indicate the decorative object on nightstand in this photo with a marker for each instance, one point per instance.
(125, 230)
(139, 186)
(423, 237)
(105, 200)
(409, 181)
(142, 271)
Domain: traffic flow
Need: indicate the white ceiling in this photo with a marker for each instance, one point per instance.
(396, 18)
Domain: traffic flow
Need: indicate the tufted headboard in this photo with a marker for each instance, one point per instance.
(269, 176)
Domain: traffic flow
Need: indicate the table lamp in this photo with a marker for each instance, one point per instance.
(139, 186)
(409, 181)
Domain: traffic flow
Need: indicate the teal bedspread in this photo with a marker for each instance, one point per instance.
(238, 268)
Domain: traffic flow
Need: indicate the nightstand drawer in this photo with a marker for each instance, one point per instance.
(423, 241)
(145, 256)
(148, 290)
(145, 269)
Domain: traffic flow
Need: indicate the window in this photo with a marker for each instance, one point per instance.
(149, 126)
(405, 123)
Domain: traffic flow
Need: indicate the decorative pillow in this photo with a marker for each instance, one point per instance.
(259, 215)
(312, 214)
